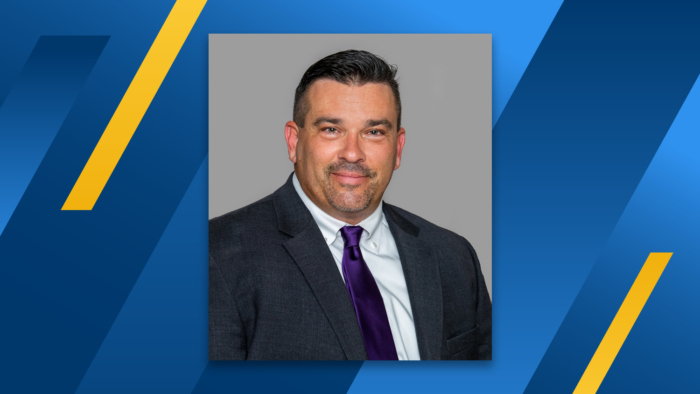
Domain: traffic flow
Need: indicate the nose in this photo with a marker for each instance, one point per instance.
(352, 151)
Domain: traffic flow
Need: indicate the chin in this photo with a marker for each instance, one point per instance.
(347, 188)
(352, 203)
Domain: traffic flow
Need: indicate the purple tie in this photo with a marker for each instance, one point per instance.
(366, 298)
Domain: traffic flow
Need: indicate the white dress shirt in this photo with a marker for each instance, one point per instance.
(382, 257)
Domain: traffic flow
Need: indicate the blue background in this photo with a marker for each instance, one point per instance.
(595, 165)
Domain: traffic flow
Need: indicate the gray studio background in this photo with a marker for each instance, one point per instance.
(445, 83)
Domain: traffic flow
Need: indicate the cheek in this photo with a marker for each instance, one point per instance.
(322, 153)
(311, 160)
(383, 159)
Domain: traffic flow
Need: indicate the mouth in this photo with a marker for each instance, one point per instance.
(349, 178)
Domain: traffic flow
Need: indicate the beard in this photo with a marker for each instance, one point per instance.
(346, 199)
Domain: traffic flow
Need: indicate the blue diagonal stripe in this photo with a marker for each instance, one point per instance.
(36, 107)
(657, 219)
(618, 89)
(161, 320)
(660, 352)
(307, 377)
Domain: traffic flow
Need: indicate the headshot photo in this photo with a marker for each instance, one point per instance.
(350, 197)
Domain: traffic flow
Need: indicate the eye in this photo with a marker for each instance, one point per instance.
(331, 129)
(375, 132)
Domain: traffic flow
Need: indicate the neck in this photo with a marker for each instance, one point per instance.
(352, 218)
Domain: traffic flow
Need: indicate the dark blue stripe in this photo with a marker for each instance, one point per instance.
(303, 377)
(36, 107)
(571, 147)
(660, 352)
(162, 319)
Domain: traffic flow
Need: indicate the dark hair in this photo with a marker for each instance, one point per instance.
(351, 67)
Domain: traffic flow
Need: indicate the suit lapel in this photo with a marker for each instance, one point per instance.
(420, 267)
(322, 274)
(316, 262)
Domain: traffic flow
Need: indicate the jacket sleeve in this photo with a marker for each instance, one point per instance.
(227, 339)
(483, 310)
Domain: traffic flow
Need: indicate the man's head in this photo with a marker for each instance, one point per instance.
(346, 140)
(349, 67)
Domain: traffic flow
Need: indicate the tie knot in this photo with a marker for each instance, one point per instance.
(351, 235)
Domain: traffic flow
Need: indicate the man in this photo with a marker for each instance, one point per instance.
(322, 269)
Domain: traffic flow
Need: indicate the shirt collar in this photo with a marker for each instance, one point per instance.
(330, 226)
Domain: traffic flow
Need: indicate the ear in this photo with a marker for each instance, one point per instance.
(400, 140)
(291, 134)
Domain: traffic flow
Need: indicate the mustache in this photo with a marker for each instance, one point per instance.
(356, 168)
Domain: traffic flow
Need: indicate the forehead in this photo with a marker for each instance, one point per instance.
(371, 100)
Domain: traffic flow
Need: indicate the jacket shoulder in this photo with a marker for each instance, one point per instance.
(427, 230)
(255, 219)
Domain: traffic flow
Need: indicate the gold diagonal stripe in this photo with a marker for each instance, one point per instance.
(138, 97)
(622, 323)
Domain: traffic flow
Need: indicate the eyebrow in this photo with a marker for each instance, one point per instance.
(378, 122)
(368, 123)
(324, 119)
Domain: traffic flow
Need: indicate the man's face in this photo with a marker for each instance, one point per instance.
(349, 147)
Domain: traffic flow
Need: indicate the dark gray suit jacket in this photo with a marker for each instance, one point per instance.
(275, 292)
